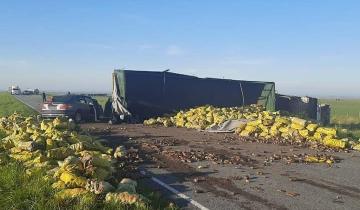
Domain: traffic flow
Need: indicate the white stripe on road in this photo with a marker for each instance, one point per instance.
(173, 190)
(22, 101)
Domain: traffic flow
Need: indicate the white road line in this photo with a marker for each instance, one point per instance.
(22, 101)
(173, 190)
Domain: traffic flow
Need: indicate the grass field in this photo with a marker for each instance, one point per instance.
(101, 99)
(345, 113)
(9, 105)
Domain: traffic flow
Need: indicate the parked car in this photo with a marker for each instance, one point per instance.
(27, 92)
(76, 107)
(31, 92)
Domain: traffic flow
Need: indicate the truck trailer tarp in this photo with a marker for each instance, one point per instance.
(148, 94)
(305, 107)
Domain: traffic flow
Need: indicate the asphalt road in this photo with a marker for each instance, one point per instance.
(33, 101)
(278, 185)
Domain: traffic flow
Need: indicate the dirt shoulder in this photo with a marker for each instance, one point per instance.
(227, 172)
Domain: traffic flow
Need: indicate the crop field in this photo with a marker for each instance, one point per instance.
(345, 113)
(9, 105)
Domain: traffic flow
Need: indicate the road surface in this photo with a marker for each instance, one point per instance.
(247, 183)
(233, 173)
(32, 101)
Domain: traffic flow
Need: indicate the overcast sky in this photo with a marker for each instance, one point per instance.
(308, 47)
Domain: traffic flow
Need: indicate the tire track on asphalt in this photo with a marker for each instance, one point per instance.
(328, 185)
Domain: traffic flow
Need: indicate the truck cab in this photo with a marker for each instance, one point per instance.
(15, 90)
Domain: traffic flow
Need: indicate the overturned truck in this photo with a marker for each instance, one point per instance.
(145, 94)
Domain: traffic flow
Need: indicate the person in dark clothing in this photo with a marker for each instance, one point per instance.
(44, 96)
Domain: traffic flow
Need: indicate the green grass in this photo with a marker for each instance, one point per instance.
(101, 99)
(9, 105)
(21, 191)
(345, 113)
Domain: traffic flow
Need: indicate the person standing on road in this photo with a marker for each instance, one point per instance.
(44, 96)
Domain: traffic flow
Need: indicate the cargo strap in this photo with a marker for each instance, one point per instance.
(242, 93)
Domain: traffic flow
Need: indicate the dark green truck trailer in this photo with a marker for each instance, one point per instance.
(305, 107)
(148, 94)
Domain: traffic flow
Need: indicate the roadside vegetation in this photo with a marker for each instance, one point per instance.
(9, 105)
(22, 190)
